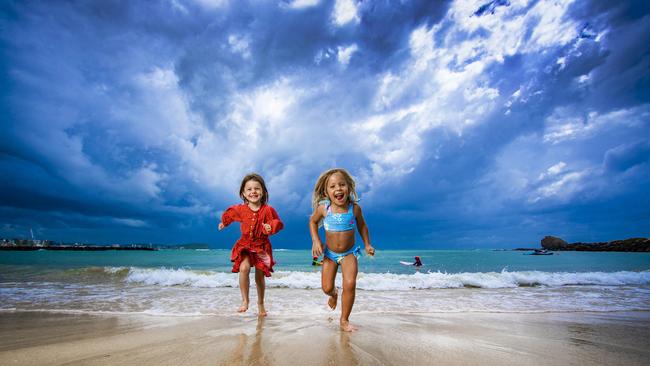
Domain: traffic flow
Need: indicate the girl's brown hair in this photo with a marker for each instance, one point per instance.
(258, 178)
(321, 185)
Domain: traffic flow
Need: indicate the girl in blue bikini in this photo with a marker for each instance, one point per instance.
(335, 208)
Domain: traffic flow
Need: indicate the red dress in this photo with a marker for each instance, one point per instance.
(254, 240)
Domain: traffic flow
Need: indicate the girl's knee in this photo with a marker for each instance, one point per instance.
(245, 264)
(328, 288)
(245, 268)
(349, 284)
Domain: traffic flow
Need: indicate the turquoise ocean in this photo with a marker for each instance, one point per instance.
(199, 282)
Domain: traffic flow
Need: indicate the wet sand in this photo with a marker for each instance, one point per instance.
(28, 338)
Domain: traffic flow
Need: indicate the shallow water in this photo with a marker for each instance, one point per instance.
(190, 282)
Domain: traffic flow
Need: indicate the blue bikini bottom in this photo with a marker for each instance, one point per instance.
(338, 257)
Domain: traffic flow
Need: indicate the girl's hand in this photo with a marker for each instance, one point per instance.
(370, 250)
(267, 227)
(316, 250)
(221, 226)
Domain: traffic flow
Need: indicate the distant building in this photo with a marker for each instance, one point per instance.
(26, 242)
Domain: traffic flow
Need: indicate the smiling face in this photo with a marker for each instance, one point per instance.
(253, 192)
(337, 190)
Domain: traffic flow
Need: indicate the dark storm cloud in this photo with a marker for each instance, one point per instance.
(484, 123)
(453, 186)
(386, 27)
(627, 156)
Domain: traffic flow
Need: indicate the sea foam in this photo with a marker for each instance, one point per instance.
(388, 281)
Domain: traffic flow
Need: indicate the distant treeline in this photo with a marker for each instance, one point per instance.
(627, 245)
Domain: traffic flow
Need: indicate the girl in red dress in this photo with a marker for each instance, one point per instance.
(257, 221)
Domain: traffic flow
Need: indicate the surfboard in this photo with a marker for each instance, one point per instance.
(406, 263)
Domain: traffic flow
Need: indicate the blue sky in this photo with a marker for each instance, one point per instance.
(467, 124)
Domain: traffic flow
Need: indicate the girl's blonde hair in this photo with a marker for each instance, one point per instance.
(321, 186)
(257, 178)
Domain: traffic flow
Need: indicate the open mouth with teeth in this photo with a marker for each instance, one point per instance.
(339, 196)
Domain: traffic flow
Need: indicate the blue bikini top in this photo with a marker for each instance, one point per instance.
(339, 221)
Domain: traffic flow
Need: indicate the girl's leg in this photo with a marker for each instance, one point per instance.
(327, 280)
(244, 282)
(349, 269)
(260, 285)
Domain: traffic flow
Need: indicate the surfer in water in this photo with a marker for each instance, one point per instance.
(418, 262)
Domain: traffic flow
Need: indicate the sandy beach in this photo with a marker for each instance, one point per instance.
(33, 338)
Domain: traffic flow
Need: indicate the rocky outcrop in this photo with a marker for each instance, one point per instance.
(627, 245)
(553, 243)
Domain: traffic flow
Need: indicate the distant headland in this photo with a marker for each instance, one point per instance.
(33, 244)
(627, 245)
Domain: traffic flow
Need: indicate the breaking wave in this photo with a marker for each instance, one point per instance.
(383, 281)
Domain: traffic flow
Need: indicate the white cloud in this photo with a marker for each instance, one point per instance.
(442, 68)
(345, 11)
(154, 111)
(422, 46)
(527, 174)
(177, 5)
(563, 188)
(281, 185)
(565, 125)
(240, 44)
(259, 121)
(583, 79)
(554, 170)
(398, 154)
(157, 78)
(323, 54)
(144, 182)
(564, 129)
(267, 103)
(558, 183)
(554, 27)
(301, 4)
(212, 4)
(162, 124)
(345, 53)
(148, 112)
(442, 85)
(480, 93)
(508, 28)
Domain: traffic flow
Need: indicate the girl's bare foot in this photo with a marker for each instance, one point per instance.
(331, 302)
(243, 307)
(347, 327)
(262, 310)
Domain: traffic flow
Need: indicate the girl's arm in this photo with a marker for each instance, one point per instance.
(273, 225)
(229, 216)
(363, 229)
(317, 245)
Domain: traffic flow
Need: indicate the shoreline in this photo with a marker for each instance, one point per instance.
(44, 338)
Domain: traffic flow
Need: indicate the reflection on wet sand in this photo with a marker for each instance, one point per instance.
(446, 339)
(256, 356)
(339, 350)
(579, 334)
